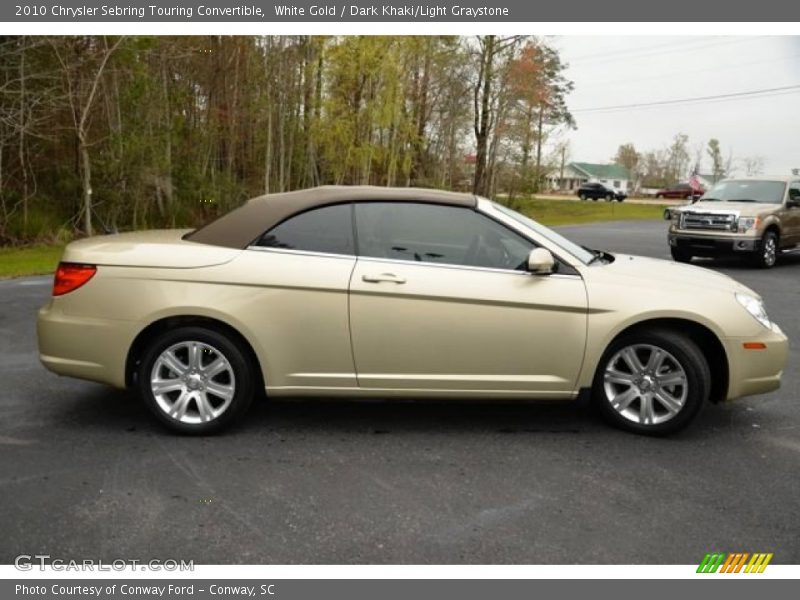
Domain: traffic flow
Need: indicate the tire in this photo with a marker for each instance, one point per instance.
(767, 254)
(659, 196)
(680, 256)
(637, 399)
(609, 198)
(621, 199)
(583, 197)
(205, 395)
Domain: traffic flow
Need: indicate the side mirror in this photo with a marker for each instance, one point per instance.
(541, 261)
(793, 203)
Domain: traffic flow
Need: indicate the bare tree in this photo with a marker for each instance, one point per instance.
(753, 165)
(81, 94)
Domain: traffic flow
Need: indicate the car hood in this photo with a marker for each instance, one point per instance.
(655, 273)
(164, 248)
(744, 209)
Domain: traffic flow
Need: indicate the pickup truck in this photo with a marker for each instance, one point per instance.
(756, 218)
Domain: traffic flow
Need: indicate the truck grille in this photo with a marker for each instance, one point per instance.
(722, 222)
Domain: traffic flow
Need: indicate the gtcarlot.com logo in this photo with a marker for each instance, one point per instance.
(734, 562)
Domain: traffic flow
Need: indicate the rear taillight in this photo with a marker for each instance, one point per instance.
(69, 277)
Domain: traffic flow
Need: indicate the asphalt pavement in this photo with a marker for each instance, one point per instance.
(86, 473)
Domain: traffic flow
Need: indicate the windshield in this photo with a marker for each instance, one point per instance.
(577, 251)
(766, 192)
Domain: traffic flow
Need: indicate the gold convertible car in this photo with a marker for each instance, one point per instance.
(363, 292)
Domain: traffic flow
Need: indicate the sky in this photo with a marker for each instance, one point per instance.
(611, 71)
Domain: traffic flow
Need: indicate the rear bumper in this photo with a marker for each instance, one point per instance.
(82, 347)
(709, 245)
(756, 371)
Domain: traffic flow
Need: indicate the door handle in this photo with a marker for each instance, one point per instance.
(383, 277)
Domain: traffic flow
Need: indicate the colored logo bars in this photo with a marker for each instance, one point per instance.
(734, 562)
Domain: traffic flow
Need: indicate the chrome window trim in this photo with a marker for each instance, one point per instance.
(300, 252)
(402, 262)
(418, 263)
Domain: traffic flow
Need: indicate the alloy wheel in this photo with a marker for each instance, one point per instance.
(192, 382)
(770, 250)
(645, 384)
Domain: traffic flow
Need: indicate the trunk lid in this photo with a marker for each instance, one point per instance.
(162, 248)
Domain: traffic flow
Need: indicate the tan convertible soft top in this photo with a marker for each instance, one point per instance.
(243, 225)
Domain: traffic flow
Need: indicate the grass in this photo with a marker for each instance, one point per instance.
(30, 260)
(568, 212)
(38, 260)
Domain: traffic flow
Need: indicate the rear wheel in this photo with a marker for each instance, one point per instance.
(196, 380)
(609, 198)
(767, 254)
(652, 382)
(680, 255)
(583, 197)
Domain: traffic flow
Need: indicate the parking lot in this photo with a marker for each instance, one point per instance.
(86, 473)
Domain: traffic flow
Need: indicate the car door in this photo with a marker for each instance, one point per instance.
(297, 277)
(791, 215)
(440, 300)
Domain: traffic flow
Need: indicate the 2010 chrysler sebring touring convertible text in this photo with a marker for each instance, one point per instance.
(399, 293)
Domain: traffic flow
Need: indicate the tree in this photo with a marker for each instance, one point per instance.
(717, 162)
(677, 159)
(628, 157)
(538, 90)
(489, 100)
(753, 165)
(82, 85)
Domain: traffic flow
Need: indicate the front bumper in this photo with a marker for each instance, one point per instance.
(711, 245)
(756, 371)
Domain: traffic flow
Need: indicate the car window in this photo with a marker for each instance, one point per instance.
(438, 234)
(794, 191)
(328, 229)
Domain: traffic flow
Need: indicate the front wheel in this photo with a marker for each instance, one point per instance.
(651, 382)
(583, 197)
(680, 256)
(767, 254)
(196, 380)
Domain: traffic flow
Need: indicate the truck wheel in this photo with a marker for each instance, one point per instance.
(609, 198)
(767, 254)
(659, 196)
(652, 382)
(680, 256)
(583, 197)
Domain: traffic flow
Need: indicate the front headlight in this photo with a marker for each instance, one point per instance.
(747, 223)
(755, 307)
